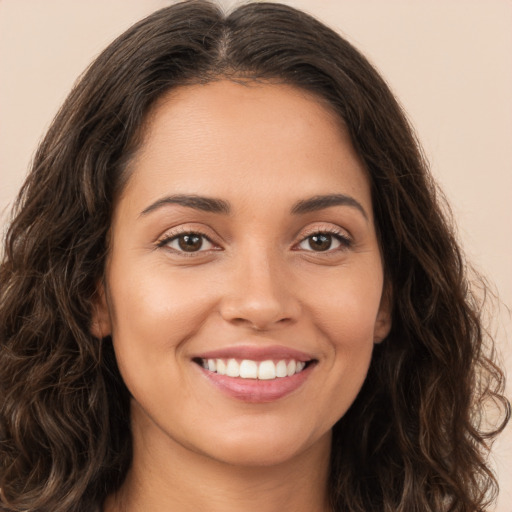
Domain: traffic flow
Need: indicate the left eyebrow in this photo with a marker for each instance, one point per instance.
(316, 203)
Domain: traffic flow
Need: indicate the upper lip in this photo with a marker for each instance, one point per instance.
(256, 353)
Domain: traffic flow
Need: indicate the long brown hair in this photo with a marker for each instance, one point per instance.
(415, 438)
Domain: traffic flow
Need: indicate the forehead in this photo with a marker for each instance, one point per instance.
(224, 138)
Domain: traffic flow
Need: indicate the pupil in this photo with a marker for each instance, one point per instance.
(190, 243)
(320, 242)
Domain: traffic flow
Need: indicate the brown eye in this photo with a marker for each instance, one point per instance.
(187, 242)
(320, 242)
(190, 243)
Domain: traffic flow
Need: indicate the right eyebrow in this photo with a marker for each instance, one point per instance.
(205, 204)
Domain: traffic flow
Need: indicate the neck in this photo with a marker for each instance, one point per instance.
(179, 480)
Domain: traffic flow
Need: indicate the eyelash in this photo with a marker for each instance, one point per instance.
(344, 240)
(167, 239)
(338, 235)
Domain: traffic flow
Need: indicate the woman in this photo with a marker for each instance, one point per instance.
(229, 283)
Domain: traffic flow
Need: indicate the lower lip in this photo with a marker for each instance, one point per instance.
(255, 390)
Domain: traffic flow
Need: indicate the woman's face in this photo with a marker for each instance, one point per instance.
(244, 282)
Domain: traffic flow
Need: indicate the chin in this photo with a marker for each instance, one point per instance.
(264, 449)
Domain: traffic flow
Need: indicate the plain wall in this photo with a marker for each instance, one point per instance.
(449, 62)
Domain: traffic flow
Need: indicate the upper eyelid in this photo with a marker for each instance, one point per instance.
(332, 229)
(176, 231)
(168, 237)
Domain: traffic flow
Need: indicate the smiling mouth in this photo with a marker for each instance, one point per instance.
(251, 369)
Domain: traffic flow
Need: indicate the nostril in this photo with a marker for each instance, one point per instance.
(247, 308)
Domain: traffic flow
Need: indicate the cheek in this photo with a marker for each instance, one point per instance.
(154, 311)
(154, 315)
(345, 308)
(345, 314)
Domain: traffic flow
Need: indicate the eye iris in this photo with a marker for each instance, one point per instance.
(190, 243)
(320, 242)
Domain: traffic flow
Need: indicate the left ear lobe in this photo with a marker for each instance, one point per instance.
(101, 325)
(383, 320)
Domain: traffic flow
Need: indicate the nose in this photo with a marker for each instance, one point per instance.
(260, 294)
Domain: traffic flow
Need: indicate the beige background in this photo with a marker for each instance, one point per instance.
(448, 61)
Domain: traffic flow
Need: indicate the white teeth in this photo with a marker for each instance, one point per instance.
(267, 370)
(281, 370)
(248, 369)
(221, 367)
(233, 368)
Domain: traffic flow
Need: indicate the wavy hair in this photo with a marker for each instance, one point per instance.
(415, 439)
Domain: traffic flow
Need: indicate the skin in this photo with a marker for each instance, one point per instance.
(258, 281)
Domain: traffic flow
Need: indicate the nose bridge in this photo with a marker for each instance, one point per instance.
(260, 293)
